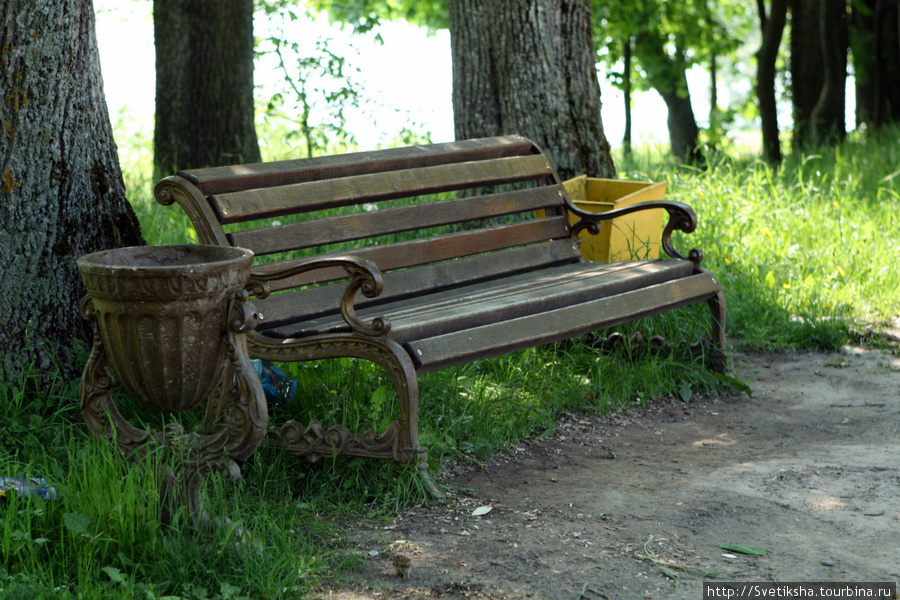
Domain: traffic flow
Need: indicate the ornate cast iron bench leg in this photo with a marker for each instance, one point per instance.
(399, 442)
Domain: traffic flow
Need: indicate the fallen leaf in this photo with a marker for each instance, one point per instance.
(742, 549)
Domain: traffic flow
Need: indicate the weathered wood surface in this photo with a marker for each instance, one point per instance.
(227, 179)
(474, 253)
(376, 187)
(357, 226)
(423, 313)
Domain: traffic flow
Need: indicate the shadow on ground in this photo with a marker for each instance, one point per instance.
(637, 505)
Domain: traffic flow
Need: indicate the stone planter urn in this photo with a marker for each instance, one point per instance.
(171, 323)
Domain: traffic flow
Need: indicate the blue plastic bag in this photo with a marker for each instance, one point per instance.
(276, 385)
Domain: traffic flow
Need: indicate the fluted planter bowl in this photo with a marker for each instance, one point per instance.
(162, 313)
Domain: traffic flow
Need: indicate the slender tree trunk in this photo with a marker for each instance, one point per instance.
(668, 77)
(626, 92)
(765, 78)
(528, 67)
(763, 18)
(204, 84)
(713, 90)
(715, 133)
(62, 194)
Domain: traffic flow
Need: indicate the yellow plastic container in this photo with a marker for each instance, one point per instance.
(632, 237)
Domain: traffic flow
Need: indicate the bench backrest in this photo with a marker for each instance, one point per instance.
(430, 216)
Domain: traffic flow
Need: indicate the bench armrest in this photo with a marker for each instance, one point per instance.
(365, 276)
(681, 217)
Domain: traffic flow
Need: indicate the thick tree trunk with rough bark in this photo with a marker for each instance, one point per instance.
(772, 30)
(204, 84)
(528, 67)
(61, 194)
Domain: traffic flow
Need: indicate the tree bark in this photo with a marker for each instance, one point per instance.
(807, 74)
(204, 84)
(626, 96)
(819, 41)
(765, 77)
(682, 124)
(828, 124)
(528, 67)
(876, 60)
(62, 194)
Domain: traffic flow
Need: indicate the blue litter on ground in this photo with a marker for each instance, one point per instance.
(277, 387)
(26, 486)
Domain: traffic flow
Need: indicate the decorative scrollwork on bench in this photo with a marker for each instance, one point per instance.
(314, 442)
(364, 275)
(681, 218)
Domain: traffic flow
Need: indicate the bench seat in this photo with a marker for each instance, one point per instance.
(421, 258)
(562, 303)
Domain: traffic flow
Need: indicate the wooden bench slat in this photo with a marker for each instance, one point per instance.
(235, 207)
(526, 294)
(431, 250)
(348, 228)
(220, 180)
(503, 299)
(458, 285)
(282, 308)
(503, 337)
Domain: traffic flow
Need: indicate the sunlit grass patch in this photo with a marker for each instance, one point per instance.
(805, 251)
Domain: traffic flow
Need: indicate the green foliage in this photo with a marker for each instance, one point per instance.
(799, 247)
(692, 32)
(669, 38)
(319, 83)
(365, 15)
(100, 537)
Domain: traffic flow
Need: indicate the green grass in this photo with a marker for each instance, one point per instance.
(807, 253)
(101, 536)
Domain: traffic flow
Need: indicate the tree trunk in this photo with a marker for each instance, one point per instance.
(528, 68)
(827, 118)
(807, 74)
(204, 84)
(62, 194)
(765, 77)
(819, 43)
(713, 91)
(668, 77)
(876, 60)
(626, 93)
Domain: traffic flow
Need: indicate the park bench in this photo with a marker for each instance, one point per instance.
(459, 251)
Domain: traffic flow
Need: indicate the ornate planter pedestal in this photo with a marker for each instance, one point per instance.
(171, 321)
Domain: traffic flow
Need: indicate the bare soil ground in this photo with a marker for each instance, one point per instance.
(636, 505)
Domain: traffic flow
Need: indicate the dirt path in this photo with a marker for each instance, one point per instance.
(636, 506)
